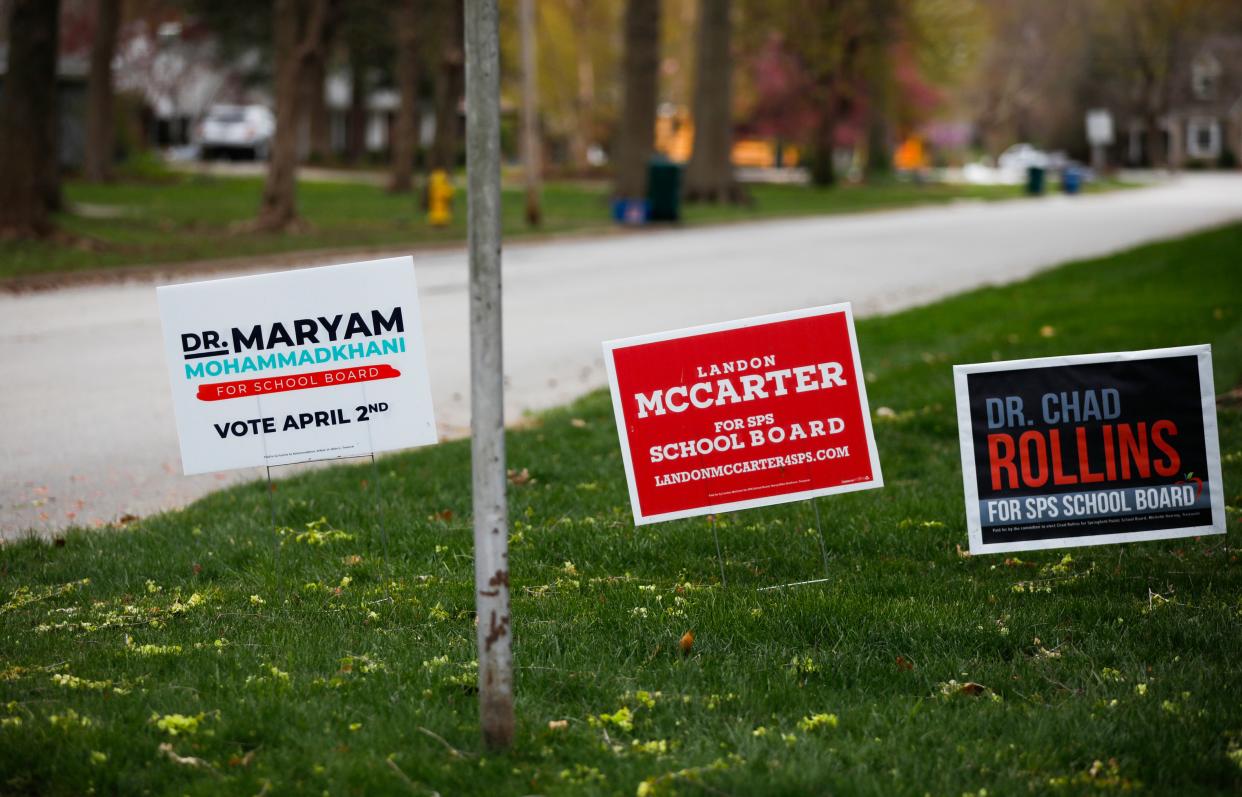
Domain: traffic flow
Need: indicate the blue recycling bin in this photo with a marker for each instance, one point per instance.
(1071, 179)
(631, 212)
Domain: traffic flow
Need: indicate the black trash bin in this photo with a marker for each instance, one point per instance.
(1035, 180)
(664, 190)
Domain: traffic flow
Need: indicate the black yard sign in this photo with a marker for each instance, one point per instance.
(1090, 449)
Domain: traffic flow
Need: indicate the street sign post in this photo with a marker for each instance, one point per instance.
(487, 425)
(1100, 136)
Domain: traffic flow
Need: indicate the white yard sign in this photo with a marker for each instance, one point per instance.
(296, 366)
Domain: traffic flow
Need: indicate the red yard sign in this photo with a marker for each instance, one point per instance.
(742, 414)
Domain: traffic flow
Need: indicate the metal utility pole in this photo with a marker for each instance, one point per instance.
(487, 423)
(530, 113)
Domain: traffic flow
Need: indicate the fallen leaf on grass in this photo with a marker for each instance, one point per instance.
(968, 688)
(242, 760)
(166, 749)
(558, 725)
(1042, 653)
(962, 552)
(519, 477)
(687, 642)
(904, 664)
(577, 423)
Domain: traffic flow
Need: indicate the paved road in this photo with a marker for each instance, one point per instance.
(88, 432)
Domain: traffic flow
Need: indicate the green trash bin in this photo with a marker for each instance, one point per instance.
(663, 190)
(1035, 180)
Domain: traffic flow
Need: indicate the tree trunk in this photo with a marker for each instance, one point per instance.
(823, 168)
(29, 99)
(316, 116)
(448, 89)
(51, 130)
(879, 163)
(320, 119)
(640, 75)
(1156, 149)
(530, 112)
(584, 102)
(709, 176)
(405, 132)
(315, 120)
(1175, 145)
(100, 125)
(297, 28)
(356, 116)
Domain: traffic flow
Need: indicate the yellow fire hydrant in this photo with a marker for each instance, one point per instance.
(439, 199)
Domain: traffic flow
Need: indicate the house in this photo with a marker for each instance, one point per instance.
(71, 73)
(1203, 127)
(381, 105)
(179, 73)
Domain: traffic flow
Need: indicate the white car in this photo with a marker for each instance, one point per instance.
(231, 130)
(1014, 161)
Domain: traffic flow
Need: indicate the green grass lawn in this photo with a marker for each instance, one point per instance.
(196, 218)
(198, 652)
